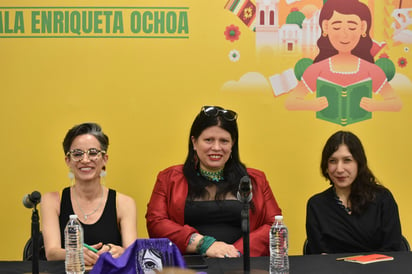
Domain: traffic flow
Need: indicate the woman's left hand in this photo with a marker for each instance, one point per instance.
(114, 250)
(222, 250)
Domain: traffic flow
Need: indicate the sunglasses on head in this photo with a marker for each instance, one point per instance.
(212, 111)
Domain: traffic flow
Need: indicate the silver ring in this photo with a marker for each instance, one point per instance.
(226, 256)
(111, 252)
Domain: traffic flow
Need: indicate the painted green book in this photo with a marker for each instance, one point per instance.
(344, 101)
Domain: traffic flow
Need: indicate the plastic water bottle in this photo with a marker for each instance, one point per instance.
(73, 242)
(278, 236)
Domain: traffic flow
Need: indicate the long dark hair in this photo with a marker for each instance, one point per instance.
(365, 185)
(233, 169)
(362, 49)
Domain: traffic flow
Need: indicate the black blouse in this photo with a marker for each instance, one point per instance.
(220, 219)
(330, 229)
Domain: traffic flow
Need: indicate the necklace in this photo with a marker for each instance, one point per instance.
(91, 213)
(340, 203)
(214, 176)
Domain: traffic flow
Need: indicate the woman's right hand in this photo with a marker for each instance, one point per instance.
(222, 250)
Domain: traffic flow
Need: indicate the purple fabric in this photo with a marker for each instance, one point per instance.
(143, 256)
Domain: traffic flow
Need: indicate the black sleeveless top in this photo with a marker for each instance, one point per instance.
(105, 230)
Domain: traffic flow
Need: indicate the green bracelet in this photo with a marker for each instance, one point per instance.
(204, 244)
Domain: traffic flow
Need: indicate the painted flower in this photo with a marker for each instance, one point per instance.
(248, 13)
(402, 62)
(234, 55)
(232, 33)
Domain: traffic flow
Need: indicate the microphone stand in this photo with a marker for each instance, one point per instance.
(35, 232)
(244, 195)
(246, 230)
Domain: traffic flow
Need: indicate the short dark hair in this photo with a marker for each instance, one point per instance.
(85, 128)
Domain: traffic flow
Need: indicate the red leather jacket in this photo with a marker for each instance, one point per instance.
(165, 211)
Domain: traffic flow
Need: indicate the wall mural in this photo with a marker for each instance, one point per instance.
(344, 59)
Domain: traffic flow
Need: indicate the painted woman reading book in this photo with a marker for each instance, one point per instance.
(344, 58)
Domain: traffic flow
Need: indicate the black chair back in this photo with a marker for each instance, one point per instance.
(305, 247)
(28, 249)
(404, 244)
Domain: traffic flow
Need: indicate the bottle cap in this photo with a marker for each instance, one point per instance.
(278, 217)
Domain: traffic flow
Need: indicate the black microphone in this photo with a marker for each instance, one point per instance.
(244, 193)
(31, 200)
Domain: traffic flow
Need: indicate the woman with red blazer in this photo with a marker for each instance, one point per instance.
(195, 205)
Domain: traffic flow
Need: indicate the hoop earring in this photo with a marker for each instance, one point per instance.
(71, 177)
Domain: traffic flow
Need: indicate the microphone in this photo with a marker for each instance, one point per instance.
(31, 200)
(244, 193)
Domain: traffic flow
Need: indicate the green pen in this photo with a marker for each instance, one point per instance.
(91, 248)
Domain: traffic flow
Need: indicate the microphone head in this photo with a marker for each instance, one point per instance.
(26, 201)
(245, 184)
(244, 193)
(31, 200)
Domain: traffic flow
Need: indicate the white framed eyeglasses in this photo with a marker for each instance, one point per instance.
(78, 154)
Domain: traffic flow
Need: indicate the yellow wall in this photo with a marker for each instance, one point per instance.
(145, 93)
